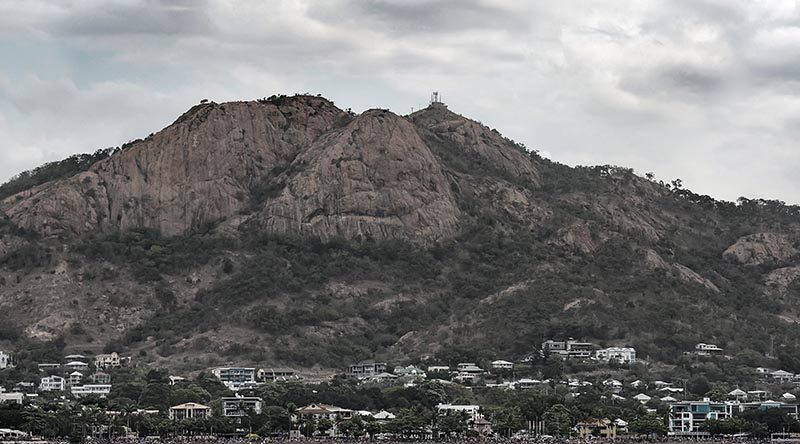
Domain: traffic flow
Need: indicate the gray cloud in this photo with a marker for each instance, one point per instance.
(696, 89)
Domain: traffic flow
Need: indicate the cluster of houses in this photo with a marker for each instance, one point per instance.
(465, 372)
(77, 374)
(248, 378)
(572, 349)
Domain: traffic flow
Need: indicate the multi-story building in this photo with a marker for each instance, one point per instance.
(472, 411)
(75, 378)
(687, 417)
(239, 406)
(101, 390)
(76, 366)
(791, 409)
(315, 412)
(468, 372)
(11, 397)
(366, 370)
(5, 360)
(277, 374)
(236, 378)
(48, 367)
(189, 410)
(52, 384)
(110, 360)
(569, 349)
(619, 355)
(100, 378)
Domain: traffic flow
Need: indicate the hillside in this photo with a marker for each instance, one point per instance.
(290, 232)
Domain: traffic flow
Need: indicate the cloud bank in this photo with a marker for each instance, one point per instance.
(702, 90)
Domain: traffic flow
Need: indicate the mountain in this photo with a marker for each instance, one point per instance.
(290, 232)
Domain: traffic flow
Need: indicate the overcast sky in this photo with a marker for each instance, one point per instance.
(706, 91)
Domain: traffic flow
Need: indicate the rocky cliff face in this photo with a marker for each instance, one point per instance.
(291, 165)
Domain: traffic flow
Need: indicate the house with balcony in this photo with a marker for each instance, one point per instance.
(277, 374)
(703, 349)
(100, 378)
(76, 366)
(366, 370)
(236, 378)
(569, 349)
(315, 412)
(502, 365)
(5, 360)
(109, 360)
(101, 390)
(52, 384)
(189, 410)
(241, 406)
(618, 355)
(687, 417)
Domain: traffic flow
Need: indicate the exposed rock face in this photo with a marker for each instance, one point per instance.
(779, 280)
(374, 178)
(196, 171)
(686, 274)
(477, 140)
(760, 248)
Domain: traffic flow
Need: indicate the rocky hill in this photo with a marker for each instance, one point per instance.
(291, 232)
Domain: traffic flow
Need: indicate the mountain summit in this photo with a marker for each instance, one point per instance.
(288, 230)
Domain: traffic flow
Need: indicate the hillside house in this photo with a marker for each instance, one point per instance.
(410, 371)
(277, 374)
(241, 406)
(472, 411)
(100, 378)
(597, 428)
(76, 366)
(737, 395)
(48, 367)
(366, 370)
(189, 410)
(618, 355)
(569, 349)
(613, 385)
(109, 360)
(438, 368)
(502, 365)
(75, 378)
(703, 349)
(75, 357)
(687, 417)
(11, 397)
(526, 383)
(52, 384)
(782, 376)
(5, 360)
(101, 390)
(236, 378)
(315, 412)
(642, 398)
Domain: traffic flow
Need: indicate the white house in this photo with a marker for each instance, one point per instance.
(619, 355)
(101, 390)
(410, 370)
(236, 378)
(704, 349)
(5, 360)
(738, 394)
(502, 365)
(366, 370)
(782, 376)
(189, 410)
(472, 411)
(438, 368)
(239, 406)
(613, 384)
(641, 397)
(11, 397)
(110, 360)
(76, 366)
(526, 383)
(383, 415)
(52, 384)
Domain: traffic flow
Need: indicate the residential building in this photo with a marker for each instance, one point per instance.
(101, 390)
(597, 428)
(738, 395)
(687, 417)
(383, 415)
(25, 387)
(189, 410)
(5, 360)
(239, 406)
(75, 357)
(410, 371)
(52, 384)
(236, 378)
(75, 378)
(11, 397)
(472, 411)
(323, 411)
(703, 349)
(76, 366)
(614, 385)
(525, 383)
(48, 367)
(468, 373)
(782, 376)
(438, 368)
(100, 378)
(791, 410)
(366, 370)
(569, 349)
(619, 355)
(502, 365)
(641, 397)
(176, 379)
(277, 374)
(758, 395)
(381, 377)
(110, 360)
